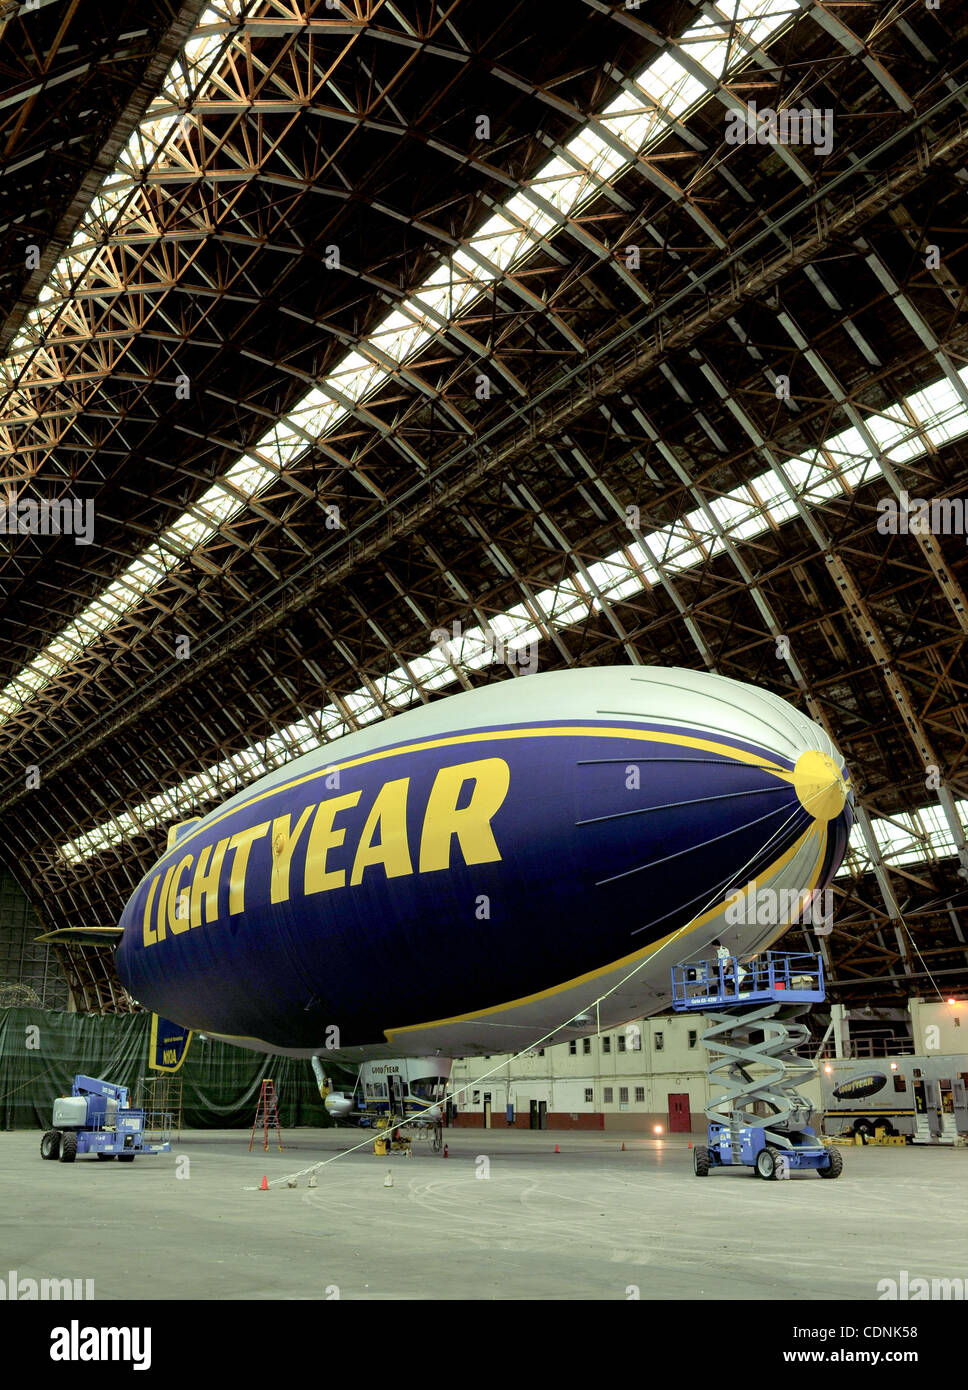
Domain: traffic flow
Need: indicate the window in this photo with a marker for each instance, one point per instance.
(659, 1042)
(429, 1088)
(572, 1048)
(899, 1083)
(540, 1051)
(476, 1098)
(621, 1042)
(608, 1095)
(589, 1095)
(693, 1037)
(623, 1095)
(640, 1095)
(586, 1046)
(606, 1044)
(634, 1034)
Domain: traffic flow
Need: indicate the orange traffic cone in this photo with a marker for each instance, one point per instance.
(445, 1151)
(623, 1146)
(264, 1184)
(557, 1150)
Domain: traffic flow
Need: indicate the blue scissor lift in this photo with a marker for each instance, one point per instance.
(763, 997)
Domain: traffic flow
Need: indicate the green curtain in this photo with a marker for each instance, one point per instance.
(42, 1051)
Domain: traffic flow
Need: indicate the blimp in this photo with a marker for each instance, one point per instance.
(521, 861)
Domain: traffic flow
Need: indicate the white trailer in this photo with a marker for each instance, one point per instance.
(925, 1098)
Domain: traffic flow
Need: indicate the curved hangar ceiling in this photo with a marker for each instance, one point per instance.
(408, 315)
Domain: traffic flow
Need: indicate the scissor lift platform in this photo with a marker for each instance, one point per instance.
(753, 1037)
(776, 977)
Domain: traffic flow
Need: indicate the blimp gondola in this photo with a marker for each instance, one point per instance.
(468, 876)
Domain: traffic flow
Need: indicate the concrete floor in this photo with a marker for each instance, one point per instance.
(588, 1222)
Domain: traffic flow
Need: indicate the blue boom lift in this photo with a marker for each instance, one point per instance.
(753, 1058)
(95, 1118)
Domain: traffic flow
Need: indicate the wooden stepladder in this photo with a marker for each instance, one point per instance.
(267, 1116)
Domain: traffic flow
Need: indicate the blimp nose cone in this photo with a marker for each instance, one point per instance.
(821, 790)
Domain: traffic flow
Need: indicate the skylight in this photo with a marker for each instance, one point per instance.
(604, 149)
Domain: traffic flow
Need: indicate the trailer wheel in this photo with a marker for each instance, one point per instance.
(50, 1144)
(106, 1158)
(882, 1122)
(865, 1128)
(835, 1166)
(125, 1158)
(68, 1151)
(766, 1163)
(700, 1161)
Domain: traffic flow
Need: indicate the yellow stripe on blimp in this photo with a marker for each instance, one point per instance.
(391, 1034)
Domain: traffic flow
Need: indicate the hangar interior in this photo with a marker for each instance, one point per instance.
(610, 390)
(329, 326)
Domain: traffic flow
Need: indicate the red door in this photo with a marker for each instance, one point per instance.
(680, 1120)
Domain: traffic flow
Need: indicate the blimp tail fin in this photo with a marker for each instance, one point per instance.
(83, 936)
(169, 1044)
(322, 1080)
(179, 830)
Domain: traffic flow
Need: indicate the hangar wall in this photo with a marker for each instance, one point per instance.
(620, 1080)
(624, 1080)
(30, 974)
(41, 1052)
